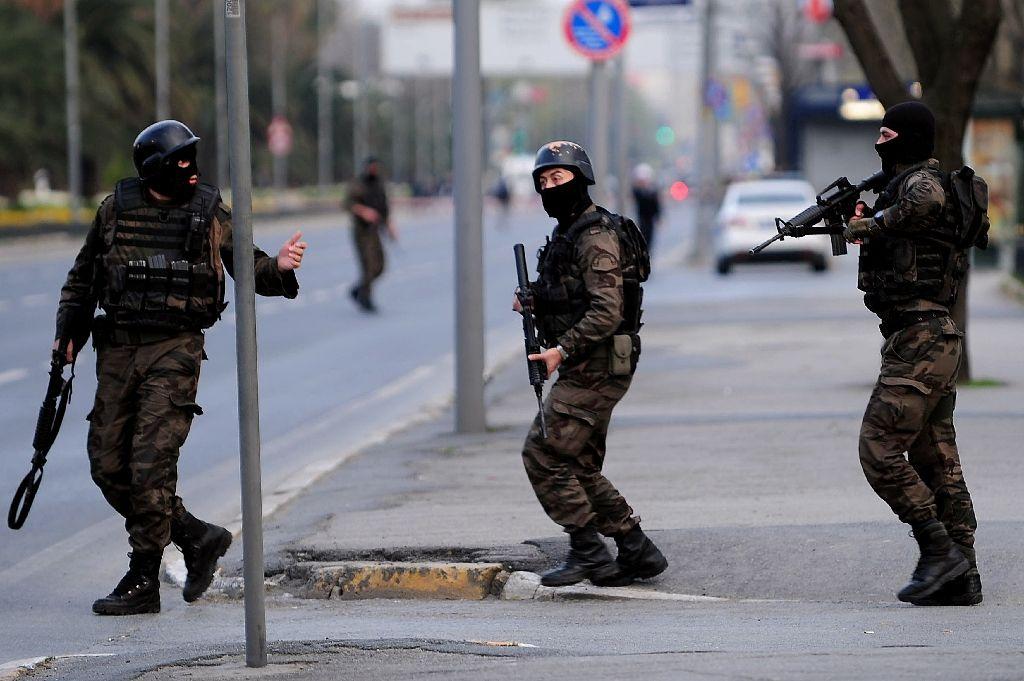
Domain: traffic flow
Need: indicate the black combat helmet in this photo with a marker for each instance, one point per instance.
(156, 143)
(562, 154)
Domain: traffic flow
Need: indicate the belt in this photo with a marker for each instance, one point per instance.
(898, 322)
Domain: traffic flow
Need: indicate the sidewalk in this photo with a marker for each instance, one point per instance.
(736, 445)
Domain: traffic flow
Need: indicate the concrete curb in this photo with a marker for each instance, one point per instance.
(371, 579)
(15, 668)
(526, 586)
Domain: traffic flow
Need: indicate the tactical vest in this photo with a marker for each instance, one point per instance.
(902, 266)
(160, 266)
(560, 291)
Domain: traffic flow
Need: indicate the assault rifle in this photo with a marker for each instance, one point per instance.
(536, 368)
(51, 414)
(835, 206)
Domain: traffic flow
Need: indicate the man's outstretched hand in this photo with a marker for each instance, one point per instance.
(290, 255)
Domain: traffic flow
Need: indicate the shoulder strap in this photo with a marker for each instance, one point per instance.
(585, 222)
(128, 195)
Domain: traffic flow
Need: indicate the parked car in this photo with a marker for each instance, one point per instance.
(747, 217)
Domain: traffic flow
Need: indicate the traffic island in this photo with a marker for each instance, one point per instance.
(444, 581)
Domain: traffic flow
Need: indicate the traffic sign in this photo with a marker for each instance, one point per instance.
(597, 29)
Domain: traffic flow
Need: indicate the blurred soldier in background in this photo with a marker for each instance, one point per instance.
(587, 302)
(154, 263)
(367, 201)
(911, 267)
(647, 202)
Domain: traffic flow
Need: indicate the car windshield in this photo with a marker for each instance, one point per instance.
(748, 199)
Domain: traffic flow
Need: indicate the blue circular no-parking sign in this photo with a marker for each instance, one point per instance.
(597, 29)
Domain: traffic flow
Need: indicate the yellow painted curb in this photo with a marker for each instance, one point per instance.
(445, 581)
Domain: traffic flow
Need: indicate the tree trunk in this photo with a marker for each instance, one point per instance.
(950, 54)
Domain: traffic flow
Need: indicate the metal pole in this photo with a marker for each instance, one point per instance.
(360, 104)
(163, 61)
(469, 265)
(278, 85)
(74, 122)
(245, 339)
(708, 150)
(324, 90)
(620, 149)
(220, 96)
(597, 128)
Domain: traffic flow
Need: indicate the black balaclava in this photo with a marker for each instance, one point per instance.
(566, 202)
(914, 124)
(174, 182)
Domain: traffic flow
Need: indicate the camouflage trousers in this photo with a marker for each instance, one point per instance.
(145, 402)
(565, 469)
(370, 252)
(907, 441)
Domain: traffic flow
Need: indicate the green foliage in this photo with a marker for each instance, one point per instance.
(116, 50)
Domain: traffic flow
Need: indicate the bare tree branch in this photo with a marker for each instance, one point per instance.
(867, 45)
(927, 25)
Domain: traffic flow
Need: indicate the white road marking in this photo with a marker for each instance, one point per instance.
(12, 375)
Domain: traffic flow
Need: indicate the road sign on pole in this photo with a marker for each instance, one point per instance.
(597, 29)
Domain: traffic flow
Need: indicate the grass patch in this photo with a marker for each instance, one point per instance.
(982, 383)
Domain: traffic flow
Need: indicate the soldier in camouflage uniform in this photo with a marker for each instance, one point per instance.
(154, 262)
(367, 201)
(910, 269)
(587, 302)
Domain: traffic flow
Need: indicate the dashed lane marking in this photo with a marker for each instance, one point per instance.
(12, 375)
(35, 300)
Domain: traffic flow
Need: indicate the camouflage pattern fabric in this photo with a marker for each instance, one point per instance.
(918, 201)
(907, 441)
(370, 252)
(565, 469)
(145, 402)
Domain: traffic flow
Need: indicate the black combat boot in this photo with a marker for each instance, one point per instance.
(941, 562)
(588, 559)
(201, 545)
(138, 591)
(638, 557)
(963, 590)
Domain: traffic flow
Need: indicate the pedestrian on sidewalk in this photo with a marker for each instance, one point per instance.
(367, 202)
(911, 266)
(647, 202)
(154, 263)
(587, 303)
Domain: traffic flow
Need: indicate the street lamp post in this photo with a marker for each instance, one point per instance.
(469, 269)
(245, 338)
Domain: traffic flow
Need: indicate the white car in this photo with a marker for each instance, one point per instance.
(747, 218)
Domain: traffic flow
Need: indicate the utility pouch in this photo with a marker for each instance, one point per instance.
(620, 359)
(157, 283)
(177, 295)
(200, 287)
(135, 285)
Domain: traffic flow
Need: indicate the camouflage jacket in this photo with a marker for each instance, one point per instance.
(369, 193)
(80, 293)
(593, 278)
